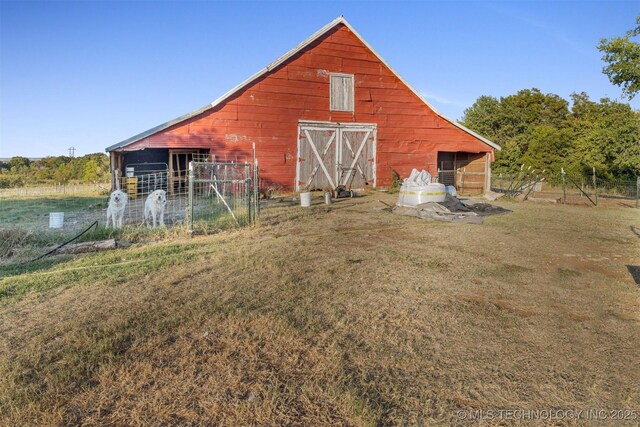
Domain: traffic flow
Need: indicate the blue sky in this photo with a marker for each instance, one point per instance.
(89, 74)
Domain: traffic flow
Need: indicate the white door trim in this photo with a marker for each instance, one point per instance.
(338, 140)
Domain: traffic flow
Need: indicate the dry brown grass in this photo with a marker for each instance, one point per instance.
(333, 316)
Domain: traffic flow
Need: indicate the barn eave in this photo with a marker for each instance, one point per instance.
(157, 129)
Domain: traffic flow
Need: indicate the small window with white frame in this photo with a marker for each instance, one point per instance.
(342, 92)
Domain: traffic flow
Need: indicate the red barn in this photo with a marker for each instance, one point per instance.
(328, 112)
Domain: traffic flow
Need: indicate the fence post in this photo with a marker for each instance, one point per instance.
(248, 191)
(255, 195)
(564, 187)
(464, 170)
(254, 184)
(190, 203)
(595, 185)
(637, 190)
(116, 180)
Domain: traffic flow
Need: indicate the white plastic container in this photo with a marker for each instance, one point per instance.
(56, 219)
(305, 199)
(130, 171)
(413, 195)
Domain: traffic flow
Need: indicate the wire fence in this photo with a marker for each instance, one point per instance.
(217, 196)
(568, 187)
(139, 187)
(222, 195)
(447, 177)
(30, 208)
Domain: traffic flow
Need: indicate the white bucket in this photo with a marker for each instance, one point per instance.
(130, 172)
(305, 199)
(327, 198)
(56, 219)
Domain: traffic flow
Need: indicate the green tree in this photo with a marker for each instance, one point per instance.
(549, 148)
(540, 130)
(17, 163)
(483, 116)
(607, 137)
(511, 120)
(88, 168)
(622, 55)
(51, 162)
(90, 171)
(62, 173)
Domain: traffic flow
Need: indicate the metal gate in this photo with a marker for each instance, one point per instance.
(332, 154)
(447, 177)
(222, 195)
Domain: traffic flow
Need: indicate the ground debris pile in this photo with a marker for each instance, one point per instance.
(451, 209)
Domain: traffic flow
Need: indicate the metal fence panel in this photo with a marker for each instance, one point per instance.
(573, 188)
(447, 177)
(139, 187)
(220, 195)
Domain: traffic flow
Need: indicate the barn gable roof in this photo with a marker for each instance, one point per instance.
(275, 64)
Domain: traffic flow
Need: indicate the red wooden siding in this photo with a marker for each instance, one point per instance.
(267, 112)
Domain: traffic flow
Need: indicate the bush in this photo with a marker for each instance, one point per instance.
(10, 181)
(396, 181)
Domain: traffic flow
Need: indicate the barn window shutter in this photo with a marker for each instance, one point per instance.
(342, 92)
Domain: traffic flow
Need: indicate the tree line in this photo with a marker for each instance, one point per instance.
(545, 132)
(20, 171)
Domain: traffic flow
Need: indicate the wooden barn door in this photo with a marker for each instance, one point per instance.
(316, 157)
(332, 154)
(357, 157)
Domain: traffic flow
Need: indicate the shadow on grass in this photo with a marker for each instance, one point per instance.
(18, 268)
(32, 246)
(634, 270)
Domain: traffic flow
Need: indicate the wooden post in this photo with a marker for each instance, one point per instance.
(595, 185)
(564, 187)
(178, 172)
(637, 190)
(190, 199)
(170, 180)
(487, 173)
(256, 187)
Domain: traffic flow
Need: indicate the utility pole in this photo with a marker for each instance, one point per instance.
(72, 151)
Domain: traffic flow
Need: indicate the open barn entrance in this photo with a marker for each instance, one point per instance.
(179, 168)
(333, 154)
(468, 172)
(154, 168)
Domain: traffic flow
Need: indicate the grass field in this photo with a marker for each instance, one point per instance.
(344, 315)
